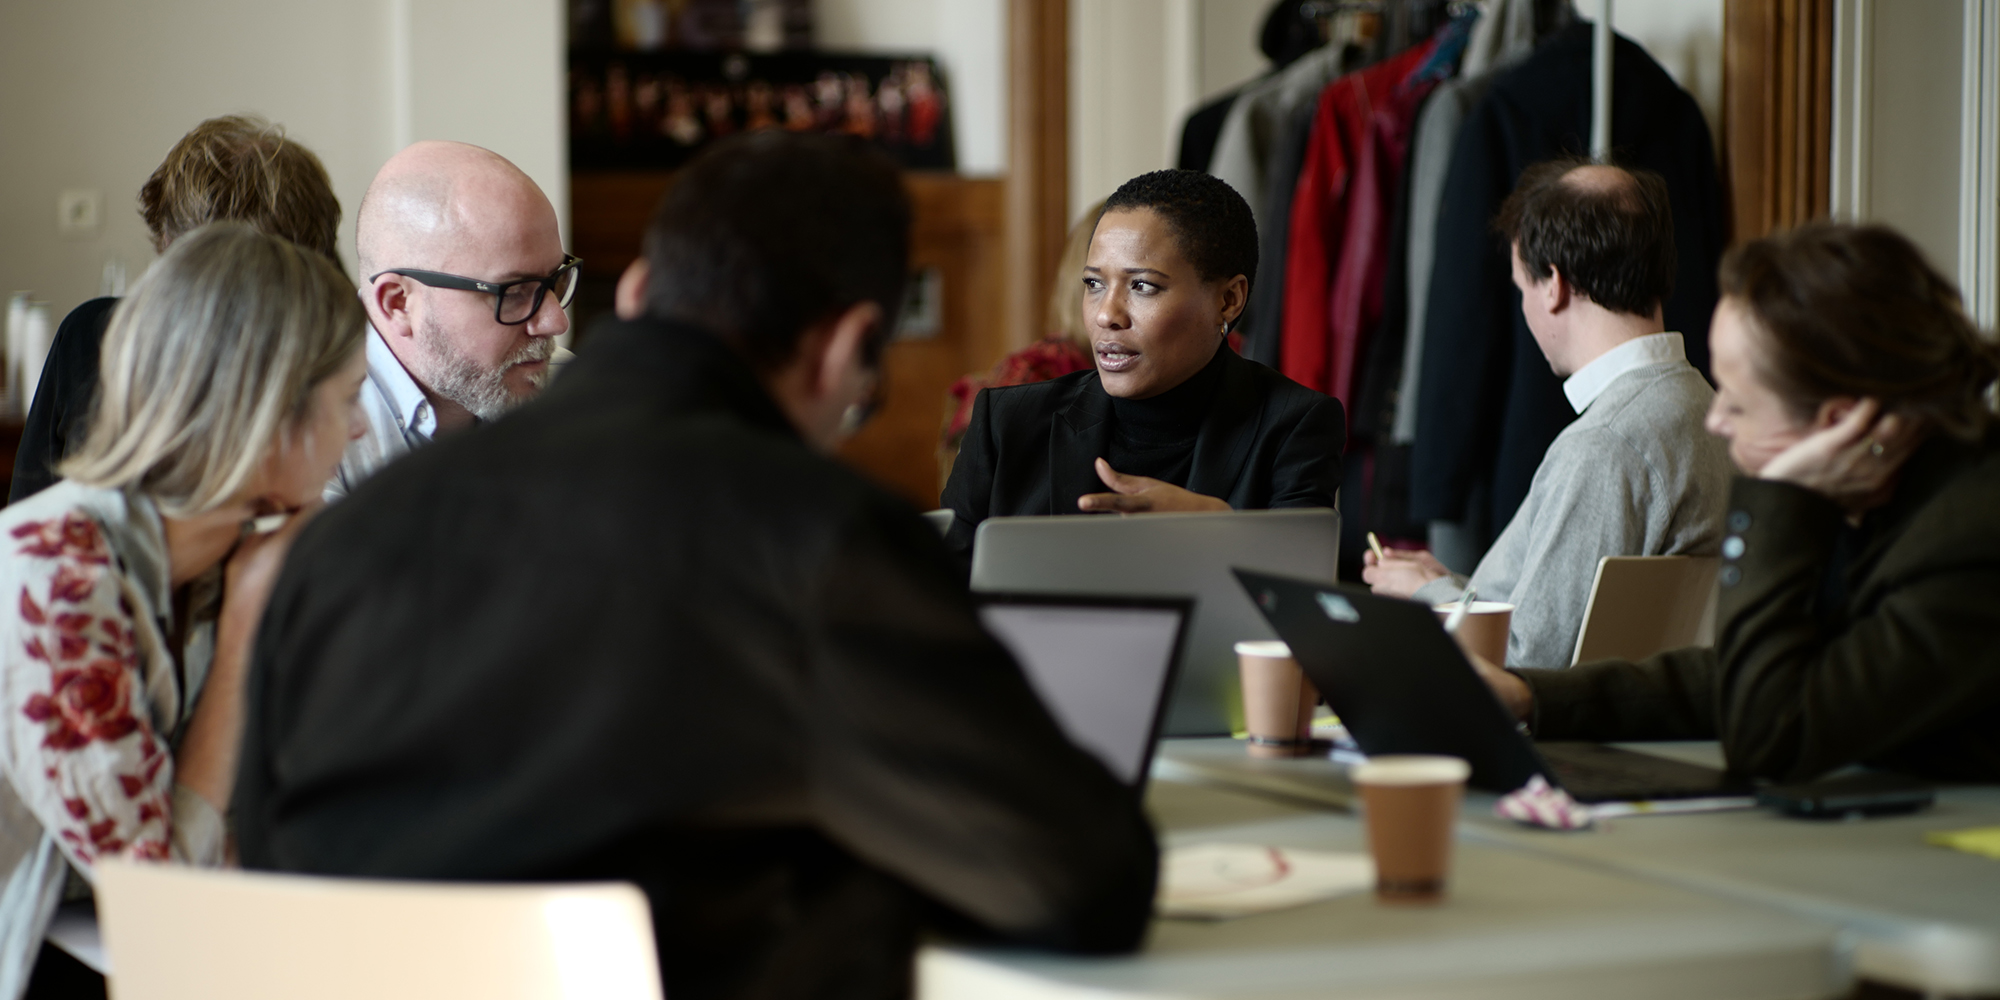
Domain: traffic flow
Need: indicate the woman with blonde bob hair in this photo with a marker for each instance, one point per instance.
(229, 389)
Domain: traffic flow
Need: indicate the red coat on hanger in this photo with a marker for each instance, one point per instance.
(1341, 213)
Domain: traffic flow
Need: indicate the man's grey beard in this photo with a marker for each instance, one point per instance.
(460, 379)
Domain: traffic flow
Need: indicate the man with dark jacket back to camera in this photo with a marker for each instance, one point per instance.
(645, 629)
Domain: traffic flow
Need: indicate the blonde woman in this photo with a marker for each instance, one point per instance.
(228, 394)
(1065, 349)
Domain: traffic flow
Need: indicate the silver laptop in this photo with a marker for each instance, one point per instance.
(1167, 555)
(1103, 665)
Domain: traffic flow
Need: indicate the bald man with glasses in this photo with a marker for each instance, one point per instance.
(465, 279)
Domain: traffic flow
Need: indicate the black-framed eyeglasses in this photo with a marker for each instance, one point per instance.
(514, 302)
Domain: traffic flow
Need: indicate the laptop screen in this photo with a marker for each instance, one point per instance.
(1102, 666)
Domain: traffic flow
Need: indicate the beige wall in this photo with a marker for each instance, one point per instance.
(1913, 96)
(1136, 68)
(99, 89)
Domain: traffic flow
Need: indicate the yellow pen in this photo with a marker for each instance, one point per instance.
(1376, 544)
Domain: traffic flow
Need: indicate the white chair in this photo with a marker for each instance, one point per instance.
(1641, 605)
(178, 933)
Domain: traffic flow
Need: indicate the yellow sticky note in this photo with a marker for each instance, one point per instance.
(1983, 840)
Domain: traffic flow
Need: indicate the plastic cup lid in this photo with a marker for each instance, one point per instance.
(1411, 769)
(1271, 647)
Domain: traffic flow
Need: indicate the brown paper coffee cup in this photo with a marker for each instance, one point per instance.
(1484, 630)
(1277, 700)
(1411, 802)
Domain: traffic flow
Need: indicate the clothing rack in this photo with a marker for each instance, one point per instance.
(1600, 84)
(1600, 59)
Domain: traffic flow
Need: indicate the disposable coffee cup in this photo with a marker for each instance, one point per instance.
(1277, 700)
(1411, 803)
(1484, 630)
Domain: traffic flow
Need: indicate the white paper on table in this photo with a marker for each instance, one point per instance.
(1220, 881)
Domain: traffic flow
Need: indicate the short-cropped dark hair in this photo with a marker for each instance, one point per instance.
(765, 234)
(1211, 223)
(244, 168)
(1612, 242)
(1842, 310)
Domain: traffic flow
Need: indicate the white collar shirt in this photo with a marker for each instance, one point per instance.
(400, 418)
(1592, 379)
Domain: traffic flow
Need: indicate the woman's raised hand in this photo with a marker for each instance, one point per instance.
(1853, 462)
(1137, 494)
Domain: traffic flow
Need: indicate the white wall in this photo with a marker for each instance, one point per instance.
(98, 90)
(969, 39)
(1912, 174)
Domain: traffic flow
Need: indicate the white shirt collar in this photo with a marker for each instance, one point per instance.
(412, 409)
(1592, 379)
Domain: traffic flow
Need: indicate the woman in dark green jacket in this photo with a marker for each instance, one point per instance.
(1860, 585)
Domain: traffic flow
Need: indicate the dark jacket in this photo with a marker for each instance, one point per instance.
(638, 630)
(1878, 644)
(60, 414)
(1267, 442)
(1490, 405)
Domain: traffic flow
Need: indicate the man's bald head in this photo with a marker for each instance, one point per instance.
(466, 212)
(435, 204)
(1609, 231)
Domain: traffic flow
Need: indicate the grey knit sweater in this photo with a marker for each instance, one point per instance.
(1636, 475)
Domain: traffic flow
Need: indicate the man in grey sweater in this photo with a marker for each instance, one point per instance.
(1637, 474)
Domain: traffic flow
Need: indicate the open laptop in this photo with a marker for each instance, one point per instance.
(1168, 555)
(1401, 685)
(1102, 665)
(1641, 605)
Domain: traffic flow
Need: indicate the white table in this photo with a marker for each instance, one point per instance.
(1515, 925)
(1922, 917)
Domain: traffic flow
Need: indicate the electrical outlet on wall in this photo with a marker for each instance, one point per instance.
(78, 211)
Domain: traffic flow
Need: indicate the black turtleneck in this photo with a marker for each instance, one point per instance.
(1155, 437)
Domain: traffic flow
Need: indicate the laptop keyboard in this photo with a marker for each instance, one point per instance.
(1593, 772)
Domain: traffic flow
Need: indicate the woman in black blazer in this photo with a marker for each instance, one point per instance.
(1170, 419)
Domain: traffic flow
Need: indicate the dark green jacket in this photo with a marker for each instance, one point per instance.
(1900, 668)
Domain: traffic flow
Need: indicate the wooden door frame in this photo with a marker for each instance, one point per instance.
(1037, 196)
(1777, 113)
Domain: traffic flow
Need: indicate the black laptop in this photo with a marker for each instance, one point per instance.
(1104, 666)
(1401, 685)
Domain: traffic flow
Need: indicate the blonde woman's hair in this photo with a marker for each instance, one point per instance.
(1065, 317)
(210, 362)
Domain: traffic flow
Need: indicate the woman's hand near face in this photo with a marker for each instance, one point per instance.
(1400, 573)
(206, 763)
(1138, 494)
(1853, 462)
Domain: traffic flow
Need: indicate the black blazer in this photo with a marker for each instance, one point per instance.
(1268, 442)
(639, 630)
(60, 414)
